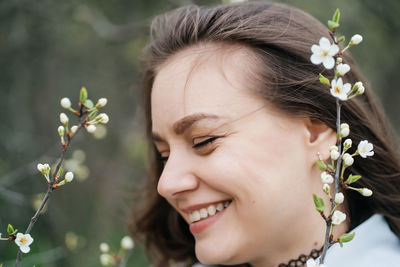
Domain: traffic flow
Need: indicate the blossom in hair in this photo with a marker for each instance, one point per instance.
(365, 192)
(344, 129)
(326, 178)
(65, 103)
(324, 53)
(339, 198)
(347, 143)
(314, 263)
(365, 149)
(326, 188)
(356, 39)
(359, 87)
(338, 217)
(348, 159)
(23, 241)
(340, 90)
(342, 69)
(334, 153)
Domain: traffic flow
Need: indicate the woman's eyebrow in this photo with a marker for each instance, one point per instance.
(180, 126)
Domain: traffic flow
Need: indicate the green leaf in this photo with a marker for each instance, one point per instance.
(330, 167)
(321, 165)
(319, 203)
(332, 25)
(342, 39)
(324, 80)
(346, 238)
(60, 171)
(10, 229)
(336, 16)
(88, 103)
(83, 95)
(353, 178)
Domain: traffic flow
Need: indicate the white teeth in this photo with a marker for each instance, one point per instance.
(211, 210)
(203, 213)
(220, 206)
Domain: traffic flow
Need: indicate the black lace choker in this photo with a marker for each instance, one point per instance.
(302, 259)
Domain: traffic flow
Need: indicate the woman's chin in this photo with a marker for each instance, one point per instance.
(210, 255)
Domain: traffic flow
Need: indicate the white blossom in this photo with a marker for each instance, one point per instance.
(91, 128)
(360, 88)
(333, 148)
(326, 178)
(335, 154)
(102, 118)
(73, 129)
(340, 90)
(356, 39)
(40, 167)
(339, 198)
(342, 69)
(104, 247)
(326, 188)
(69, 176)
(344, 129)
(314, 263)
(23, 241)
(348, 159)
(127, 243)
(323, 53)
(101, 102)
(60, 130)
(106, 259)
(365, 149)
(338, 217)
(347, 143)
(65, 103)
(64, 118)
(366, 192)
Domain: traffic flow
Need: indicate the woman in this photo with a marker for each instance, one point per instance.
(235, 118)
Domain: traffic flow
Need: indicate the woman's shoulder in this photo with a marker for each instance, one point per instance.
(374, 244)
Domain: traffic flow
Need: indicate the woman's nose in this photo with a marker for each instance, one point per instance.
(177, 177)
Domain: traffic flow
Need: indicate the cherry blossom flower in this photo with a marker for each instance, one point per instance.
(347, 143)
(366, 192)
(65, 103)
(23, 241)
(338, 217)
(91, 128)
(127, 243)
(340, 90)
(324, 53)
(63, 118)
(69, 176)
(360, 88)
(365, 149)
(339, 198)
(326, 178)
(104, 247)
(356, 39)
(344, 129)
(348, 159)
(101, 102)
(342, 69)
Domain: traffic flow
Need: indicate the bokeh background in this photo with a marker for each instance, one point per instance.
(49, 49)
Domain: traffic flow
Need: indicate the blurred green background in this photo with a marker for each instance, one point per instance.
(49, 49)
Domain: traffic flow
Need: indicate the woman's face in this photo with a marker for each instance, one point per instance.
(241, 174)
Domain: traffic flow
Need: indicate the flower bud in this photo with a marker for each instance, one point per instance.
(338, 217)
(127, 243)
(65, 103)
(344, 129)
(102, 118)
(342, 69)
(339, 198)
(69, 176)
(64, 118)
(326, 188)
(356, 39)
(359, 87)
(326, 178)
(91, 128)
(101, 102)
(61, 130)
(73, 129)
(347, 143)
(348, 159)
(106, 260)
(104, 247)
(333, 148)
(366, 192)
(40, 167)
(339, 60)
(335, 154)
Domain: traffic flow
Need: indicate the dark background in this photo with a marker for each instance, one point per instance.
(49, 49)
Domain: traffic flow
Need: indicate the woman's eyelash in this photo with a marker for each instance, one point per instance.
(205, 142)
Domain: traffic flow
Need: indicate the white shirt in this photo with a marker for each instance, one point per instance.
(374, 245)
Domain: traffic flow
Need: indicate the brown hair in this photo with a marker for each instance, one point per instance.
(281, 37)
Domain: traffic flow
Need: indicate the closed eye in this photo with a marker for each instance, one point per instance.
(205, 142)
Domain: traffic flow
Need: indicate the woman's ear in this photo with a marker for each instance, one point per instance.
(319, 138)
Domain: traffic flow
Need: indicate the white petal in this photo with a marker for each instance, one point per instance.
(25, 249)
(316, 49)
(324, 43)
(316, 59)
(333, 50)
(346, 88)
(328, 62)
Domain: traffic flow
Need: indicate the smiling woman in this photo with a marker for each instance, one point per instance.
(235, 119)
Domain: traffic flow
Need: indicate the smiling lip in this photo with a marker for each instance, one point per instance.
(200, 226)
